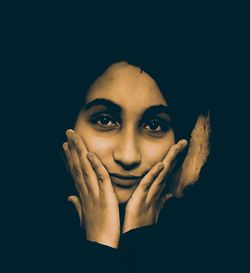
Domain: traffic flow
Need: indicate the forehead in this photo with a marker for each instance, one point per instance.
(127, 86)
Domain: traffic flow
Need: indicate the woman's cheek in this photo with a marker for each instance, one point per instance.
(154, 153)
(97, 145)
(101, 146)
(94, 142)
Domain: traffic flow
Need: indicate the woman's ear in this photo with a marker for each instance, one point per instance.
(197, 155)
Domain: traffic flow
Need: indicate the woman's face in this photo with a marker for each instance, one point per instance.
(125, 121)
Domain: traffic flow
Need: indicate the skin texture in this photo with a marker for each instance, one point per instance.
(127, 145)
(128, 150)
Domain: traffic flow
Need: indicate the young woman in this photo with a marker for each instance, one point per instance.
(123, 154)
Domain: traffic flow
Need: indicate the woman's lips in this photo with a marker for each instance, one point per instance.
(125, 182)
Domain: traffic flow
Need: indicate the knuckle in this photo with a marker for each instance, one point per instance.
(86, 174)
(76, 170)
(102, 177)
(100, 173)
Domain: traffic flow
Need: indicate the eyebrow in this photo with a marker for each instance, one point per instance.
(114, 107)
(155, 110)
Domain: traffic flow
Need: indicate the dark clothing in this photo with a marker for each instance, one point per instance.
(136, 250)
(143, 250)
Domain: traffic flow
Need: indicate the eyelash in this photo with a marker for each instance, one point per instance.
(97, 118)
(161, 122)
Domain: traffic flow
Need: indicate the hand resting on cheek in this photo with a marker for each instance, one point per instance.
(97, 205)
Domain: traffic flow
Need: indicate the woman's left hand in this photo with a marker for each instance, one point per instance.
(145, 204)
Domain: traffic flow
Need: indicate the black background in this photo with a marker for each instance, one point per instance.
(49, 52)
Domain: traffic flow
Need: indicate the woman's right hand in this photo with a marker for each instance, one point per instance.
(97, 204)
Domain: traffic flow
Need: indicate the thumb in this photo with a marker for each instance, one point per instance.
(77, 203)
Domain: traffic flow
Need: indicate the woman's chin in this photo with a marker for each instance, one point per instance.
(123, 194)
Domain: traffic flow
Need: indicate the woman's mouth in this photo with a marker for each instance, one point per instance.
(125, 181)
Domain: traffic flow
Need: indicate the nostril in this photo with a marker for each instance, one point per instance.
(127, 166)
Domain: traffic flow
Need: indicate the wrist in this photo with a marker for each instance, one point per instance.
(105, 240)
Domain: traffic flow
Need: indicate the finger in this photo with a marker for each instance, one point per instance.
(76, 168)
(101, 172)
(169, 162)
(67, 152)
(144, 185)
(77, 204)
(68, 157)
(169, 159)
(87, 170)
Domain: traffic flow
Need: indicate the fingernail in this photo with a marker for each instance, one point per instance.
(69, 132)
(183, 143)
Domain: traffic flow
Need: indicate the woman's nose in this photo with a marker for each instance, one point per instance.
(127, 152)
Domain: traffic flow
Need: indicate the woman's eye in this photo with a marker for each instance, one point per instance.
(156, 125)
(104, 121)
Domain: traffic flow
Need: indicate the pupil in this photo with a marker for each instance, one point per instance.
(153, 125)
(105, 120)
